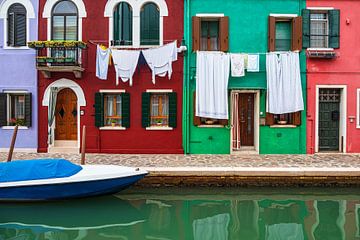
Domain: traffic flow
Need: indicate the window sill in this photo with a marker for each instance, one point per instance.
(159, 128)
(16, 48)
(320, 49)
(283, 126)
(112, 128)
(211, 126)
(13, 127)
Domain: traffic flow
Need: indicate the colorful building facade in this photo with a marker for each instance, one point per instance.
(244, 27)
(333, 81)
(142, 118)
(18, 80)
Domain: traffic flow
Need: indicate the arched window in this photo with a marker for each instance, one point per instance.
(150, 25)
(123, 24)
(64, 21)
(16, 25)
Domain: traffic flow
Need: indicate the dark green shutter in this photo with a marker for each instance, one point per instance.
(145, 109)
(28, 109)
(3, 109)
(20, 36)
(99, 109)
(16, 25)
(172, 109)
(334, 29)
(125, 108)
(116, 25)
(149, 25)
(306, 28)
(10, 30)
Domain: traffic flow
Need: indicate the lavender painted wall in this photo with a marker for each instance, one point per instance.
(18, 72)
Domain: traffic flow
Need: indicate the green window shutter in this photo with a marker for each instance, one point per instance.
(28, 109)
(172, 109)
(10, 30)
(149, 25)
(3, 109)
(306, 28)
(116, 25)
(145, 109)
(99, 109)
(334, 28)
(125, 109)
(122, 24)
(20, 36)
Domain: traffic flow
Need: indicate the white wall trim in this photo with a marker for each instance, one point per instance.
(30, 13)
(210, 15)
(48, 10)
(343, 116)
(22, 150)
(159, 90)
(154, 128)
(113, 128)
(15, 91)
(13, 127)
(283, 15)
(320, 8)
(358, 108)
(112, 90)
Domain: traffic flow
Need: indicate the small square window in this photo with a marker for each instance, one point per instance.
(319, 30)
(159, 110)
(16, 107)
(112, 110)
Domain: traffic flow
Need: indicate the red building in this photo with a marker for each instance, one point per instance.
(142, 118)
(333, 75)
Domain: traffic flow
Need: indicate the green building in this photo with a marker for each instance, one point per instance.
(249, 27)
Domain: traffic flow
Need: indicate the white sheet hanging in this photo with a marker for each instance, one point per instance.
(102, 62)
(284, 92)
(160, 59)
(253, 63)
(215, 227)
(125, 62)
(212, 77)
(237, 65)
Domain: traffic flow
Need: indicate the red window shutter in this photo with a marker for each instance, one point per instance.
(224, 34)
(296, 41)
(197, 120)
(271, 33)
(196, 30)
(269, 119)
(297, 118)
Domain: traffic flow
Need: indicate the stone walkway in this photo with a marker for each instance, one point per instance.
(230, 161)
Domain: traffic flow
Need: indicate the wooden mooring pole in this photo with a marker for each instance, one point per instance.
(83, 144)
(12, 145)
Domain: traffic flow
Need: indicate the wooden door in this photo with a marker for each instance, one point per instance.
(66, 115)
(329, 118)
(246, 118)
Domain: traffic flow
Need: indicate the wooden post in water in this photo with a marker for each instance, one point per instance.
(83, 143)
(12, 145)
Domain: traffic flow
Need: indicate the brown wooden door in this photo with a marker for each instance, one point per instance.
(246, 119)
(66, 115)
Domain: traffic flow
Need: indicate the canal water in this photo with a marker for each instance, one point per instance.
(190, 213)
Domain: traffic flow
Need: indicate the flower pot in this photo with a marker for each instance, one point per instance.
(113, 124)
(69, 60)
(59, 60)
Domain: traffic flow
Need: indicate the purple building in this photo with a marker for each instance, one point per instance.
(18, 76)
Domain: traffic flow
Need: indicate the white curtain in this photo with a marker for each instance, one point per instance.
(212, 76)
(284, 92)
(51, 112)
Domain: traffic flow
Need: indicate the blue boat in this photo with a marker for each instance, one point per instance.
(55, 179)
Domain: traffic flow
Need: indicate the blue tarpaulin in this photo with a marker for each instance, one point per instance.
(23, 170)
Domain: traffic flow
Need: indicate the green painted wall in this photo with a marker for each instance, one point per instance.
(248, 33)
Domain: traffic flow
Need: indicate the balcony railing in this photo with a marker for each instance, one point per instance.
(60, 56)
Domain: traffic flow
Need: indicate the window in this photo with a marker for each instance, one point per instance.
(200, 121)
(283, 119)
(15, 109)
(65, 21)
(112, 109)
(210, 33)
(159, 109)
(321, 28)
(16, 25)
(122, 20)
(112, 112)
(285, 33)
(149, 25)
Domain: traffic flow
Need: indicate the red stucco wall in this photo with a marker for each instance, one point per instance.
(343, 70)
(135, 139)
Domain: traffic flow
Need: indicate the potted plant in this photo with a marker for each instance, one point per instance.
(50, 60)
(69, 60)
(113, 122)
(12, 121)
(60, 59)
(158, 122)
(20, 122)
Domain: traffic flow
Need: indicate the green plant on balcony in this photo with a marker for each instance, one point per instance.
(57, 44)
(41, 59)
(36, 44)
(50, 60)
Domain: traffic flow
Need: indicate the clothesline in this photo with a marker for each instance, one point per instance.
(96, 42)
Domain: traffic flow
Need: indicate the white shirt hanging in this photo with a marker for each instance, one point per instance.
(125, 63)
(102, 62)
(160, 59)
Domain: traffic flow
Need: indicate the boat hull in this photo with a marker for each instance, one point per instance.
(68, 190)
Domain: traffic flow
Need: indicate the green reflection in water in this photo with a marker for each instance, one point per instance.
(199, 214)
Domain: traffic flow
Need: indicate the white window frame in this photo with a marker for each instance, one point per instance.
(30, 14)
(358, 109)
(136, 6)
(116, 92)
(159, 91)
(8, 93)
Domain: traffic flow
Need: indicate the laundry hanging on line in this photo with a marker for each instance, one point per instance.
(102, 62)
(125, 63)
(237, 64)
(253, 63)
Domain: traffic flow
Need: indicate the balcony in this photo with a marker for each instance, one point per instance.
(59, 56)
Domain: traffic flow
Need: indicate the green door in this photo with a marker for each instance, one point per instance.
(329, 117)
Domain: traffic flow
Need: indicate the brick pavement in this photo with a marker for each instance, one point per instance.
(168, 160)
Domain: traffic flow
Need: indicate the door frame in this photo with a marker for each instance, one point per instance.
(81, 102)
(256, 118)
(343, 114)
